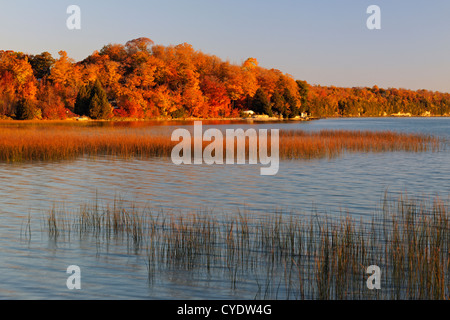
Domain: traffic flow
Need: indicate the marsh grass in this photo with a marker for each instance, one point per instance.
(285, 256)
(59, 142)
(298, 144)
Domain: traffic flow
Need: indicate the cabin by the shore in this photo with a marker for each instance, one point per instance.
(248, 113)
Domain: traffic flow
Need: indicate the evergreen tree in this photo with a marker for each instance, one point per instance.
(93, 102)
(83, 99)
(292, 109)
(27, 110)
(278, 103)
(303, 89)
(260, 103)
(99, 107)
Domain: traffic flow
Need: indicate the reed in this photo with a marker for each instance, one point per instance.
(59, 142)
(331, 143)
(288, 256)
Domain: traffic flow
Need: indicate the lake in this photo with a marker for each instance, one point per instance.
(353, 184)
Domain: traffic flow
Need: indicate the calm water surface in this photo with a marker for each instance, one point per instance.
(352, 184)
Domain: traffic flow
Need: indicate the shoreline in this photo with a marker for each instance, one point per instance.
(272, 119)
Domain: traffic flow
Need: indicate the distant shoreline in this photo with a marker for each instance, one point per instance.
(270, 119)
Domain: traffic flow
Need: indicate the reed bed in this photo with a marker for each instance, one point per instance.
(285, 256)
(330, 143)
(59, 142)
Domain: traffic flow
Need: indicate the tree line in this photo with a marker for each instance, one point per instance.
(146, 81)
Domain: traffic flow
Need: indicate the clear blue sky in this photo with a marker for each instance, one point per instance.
(321, 41)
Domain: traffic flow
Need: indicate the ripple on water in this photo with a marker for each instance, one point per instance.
(353, 184)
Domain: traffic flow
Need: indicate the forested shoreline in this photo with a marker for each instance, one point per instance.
(141, 80)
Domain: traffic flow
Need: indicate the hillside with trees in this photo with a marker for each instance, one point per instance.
(142, 80)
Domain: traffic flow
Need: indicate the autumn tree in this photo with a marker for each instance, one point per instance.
(66, 77)
(50, 103)
(217, 102)
(7, 94)
(142, 44)
(114, 52)
(41, 64)
(17, 83)
(249, 81)
(234, 84)
(268, 80)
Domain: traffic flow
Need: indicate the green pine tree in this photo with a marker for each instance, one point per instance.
(292, 110)
(261, 104)
(278, 103)
(27, 110)
(93, 102)
(303, 89)
(83, 99)
(99, 107)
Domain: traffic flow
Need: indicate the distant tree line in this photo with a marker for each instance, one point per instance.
(350, 102)
(144, 80)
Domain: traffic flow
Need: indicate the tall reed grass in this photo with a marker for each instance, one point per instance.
(288, 256)
(58, 142)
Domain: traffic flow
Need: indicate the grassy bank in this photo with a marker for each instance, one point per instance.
(57, 142)
(288, 256)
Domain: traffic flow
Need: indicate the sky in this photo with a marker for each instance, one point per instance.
(324, 42)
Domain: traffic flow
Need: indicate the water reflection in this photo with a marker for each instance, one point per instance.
(353, 184)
